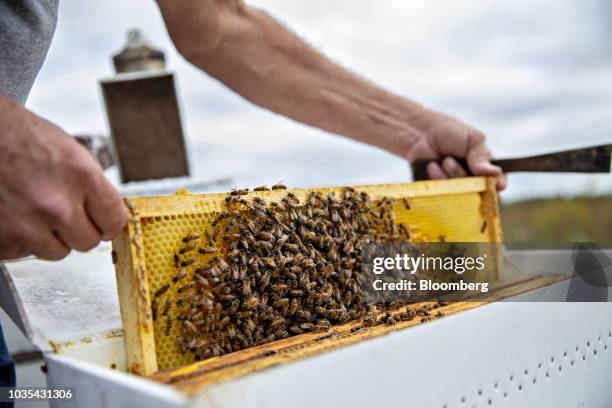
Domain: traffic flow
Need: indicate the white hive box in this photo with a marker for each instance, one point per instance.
(508, 353)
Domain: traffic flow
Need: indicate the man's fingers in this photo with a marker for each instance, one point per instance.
(81, 234)
(47, 245)
(479, 161)
(435, 172)
(502, 181)
(106, 209)
(453, 168)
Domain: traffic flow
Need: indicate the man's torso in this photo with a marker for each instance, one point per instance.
(26, 30)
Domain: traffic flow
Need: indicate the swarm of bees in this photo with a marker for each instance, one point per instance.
(268, 271)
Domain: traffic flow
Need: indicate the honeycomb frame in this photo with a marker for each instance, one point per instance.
(455, 210)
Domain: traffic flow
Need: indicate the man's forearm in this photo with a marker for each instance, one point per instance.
(261, 60)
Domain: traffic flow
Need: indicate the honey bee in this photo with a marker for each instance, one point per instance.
(390, 321)
(234, 254)
(234, 306)
(231, 332)
(242, 339)
(212, 271)
(192, 345)
(179, 341)
(279, 186)
(251, 302)
(304, 316)
(245, 243)
(227, 297)
(309, 236)
(265, 280)
(166, 309)
(308, 263)
(266, 236)
(293, 307)
(324, 322)
(168, 325)
(154, 310)
(188, 285)
(277, 323)
(223, 266)
(369, 319)
(238, 192)
(246, 288)
(297, 293)
(291, 247)
(207, 251)
(261, 188)
(324, 295)
(249, 326)
(201, 282)
(232, 200)
(281, 303)
(304, 282)
(209, 238)
(161, 290)
(191, 237)
(404, 230)
(321, 328)
(218, 336)
(280, 288)
(179, 275)
(222, 216)
(223, 322)
(187, 248)
(184, 298)
(307, 326)
(187, 262)
(269, 262)
(423, 311)
(190, 327)
(259, 201)
(235, 272)
(281, 334)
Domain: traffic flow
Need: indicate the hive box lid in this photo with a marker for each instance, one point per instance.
(58, 302)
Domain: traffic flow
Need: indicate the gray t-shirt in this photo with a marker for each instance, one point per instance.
(26, 30)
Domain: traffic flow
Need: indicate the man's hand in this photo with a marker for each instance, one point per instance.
(442, 137)
(53, 195)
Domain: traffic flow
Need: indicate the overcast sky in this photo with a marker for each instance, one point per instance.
(534, 76)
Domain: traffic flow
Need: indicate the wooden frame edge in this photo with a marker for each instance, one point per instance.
(134, 297)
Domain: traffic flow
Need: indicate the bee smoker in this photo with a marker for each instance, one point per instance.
(143, 114)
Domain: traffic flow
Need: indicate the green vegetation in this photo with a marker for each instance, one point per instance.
(557, 221)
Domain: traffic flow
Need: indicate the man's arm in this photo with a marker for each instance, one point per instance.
(257, 57)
